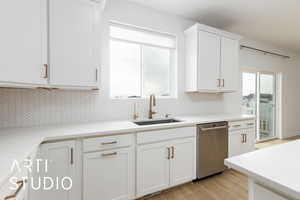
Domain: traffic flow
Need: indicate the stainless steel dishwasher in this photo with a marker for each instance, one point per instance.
(212, 148)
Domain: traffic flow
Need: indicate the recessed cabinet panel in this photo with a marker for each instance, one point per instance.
(241, 141)
(183, 162)
(62, 162)
(152, 168)
(209, 62)
(22, 49)
(229, 64)
(235, 141)
(109, 175)
(73, 37)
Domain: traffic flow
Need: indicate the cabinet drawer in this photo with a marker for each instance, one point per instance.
(167, 134)
(236, 125)
(103, 143)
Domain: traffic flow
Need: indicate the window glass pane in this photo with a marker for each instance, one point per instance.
(266, 106)
(141, 36)
(156, 71)
(249, 93)
(125, 70)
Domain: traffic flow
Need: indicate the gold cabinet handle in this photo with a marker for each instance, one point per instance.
(46, 70)
(172, 148)
(223, 82)
(242, 138)
(72, 156)
(109, 154)
(169, 153)
(21, 184)
(219, 82)
(236, 126)
(109, 143)
(250, 124)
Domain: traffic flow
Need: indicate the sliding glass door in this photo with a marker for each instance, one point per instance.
(259, 98)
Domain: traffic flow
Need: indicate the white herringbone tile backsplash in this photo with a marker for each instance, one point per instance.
(26, 107)
(38, 107)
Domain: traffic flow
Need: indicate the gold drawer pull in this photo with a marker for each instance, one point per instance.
(109, 143)
(21, 184)
(236, 126)
(250, 124)
(109, 154)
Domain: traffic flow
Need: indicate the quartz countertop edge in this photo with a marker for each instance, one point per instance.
(16, 144)
(282, 178)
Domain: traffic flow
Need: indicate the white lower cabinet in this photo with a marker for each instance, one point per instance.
(165, 164)
(109, 175)
(62, 167)
(241, 138)
(153, 167)
(183, 163)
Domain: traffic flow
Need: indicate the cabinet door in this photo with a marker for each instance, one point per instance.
(152, 168)
(208, 61)
(61, 163)
(109, 175)
(235, 140)
(23, 41)
(74, 55)
(249, 144)
(229, 64)
(183, 161)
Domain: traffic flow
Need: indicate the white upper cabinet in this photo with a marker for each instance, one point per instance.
(211, 60)
(23, 42)
(52, 43)
(74, 40)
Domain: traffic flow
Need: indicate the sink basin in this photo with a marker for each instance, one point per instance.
(159, 121)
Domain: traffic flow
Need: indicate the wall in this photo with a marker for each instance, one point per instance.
(20, 108)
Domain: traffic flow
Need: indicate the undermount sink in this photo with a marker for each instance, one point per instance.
(159, 121)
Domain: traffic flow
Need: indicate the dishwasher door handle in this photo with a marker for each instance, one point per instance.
(214, 128)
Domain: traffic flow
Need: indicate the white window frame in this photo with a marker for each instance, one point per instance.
(173, 61)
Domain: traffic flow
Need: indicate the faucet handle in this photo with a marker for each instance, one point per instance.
(167, 115)
(135, 111)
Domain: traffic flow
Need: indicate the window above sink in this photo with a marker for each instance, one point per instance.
(142, 62)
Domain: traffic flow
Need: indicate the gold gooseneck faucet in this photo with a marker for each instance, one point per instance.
(152, 104)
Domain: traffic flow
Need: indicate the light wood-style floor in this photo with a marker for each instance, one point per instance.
(230, 185)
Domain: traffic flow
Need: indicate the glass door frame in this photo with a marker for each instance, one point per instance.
(275, 109)
(274, 117)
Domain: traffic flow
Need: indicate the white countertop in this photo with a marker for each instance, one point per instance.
(276, 167)
(18, 143)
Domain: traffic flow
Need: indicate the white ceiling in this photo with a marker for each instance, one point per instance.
(272, 21)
